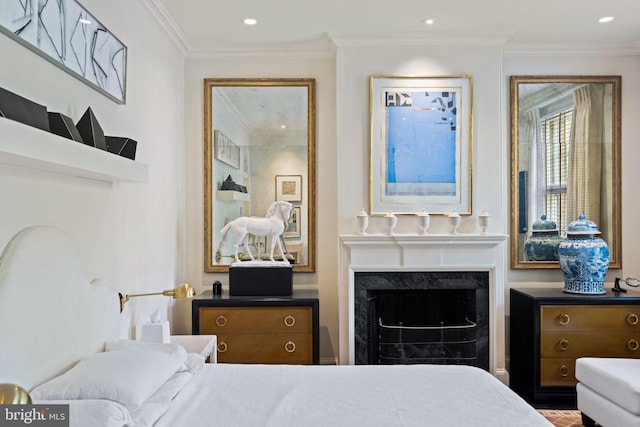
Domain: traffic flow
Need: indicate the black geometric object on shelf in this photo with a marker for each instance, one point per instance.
(228, 184)
(90, 130)
(23, 110)
(63, 126)
(125, 147)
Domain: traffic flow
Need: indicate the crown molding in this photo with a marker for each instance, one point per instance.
(419, 38)
(321, 47)
(159, 12)
(571, 49)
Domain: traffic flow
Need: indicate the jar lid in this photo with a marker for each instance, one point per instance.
(582, 226)
(543, 224)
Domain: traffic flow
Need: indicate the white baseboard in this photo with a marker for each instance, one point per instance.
(328, 360)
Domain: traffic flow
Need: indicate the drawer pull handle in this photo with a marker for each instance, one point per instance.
(222, 347)
(564, 319)
(563, 345)
(563, 370)
(632, 345)
(290, 347)
(632, 319)
(221, 321)
(289, 321)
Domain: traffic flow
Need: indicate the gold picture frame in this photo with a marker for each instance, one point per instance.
(420, 144)
(289, 188)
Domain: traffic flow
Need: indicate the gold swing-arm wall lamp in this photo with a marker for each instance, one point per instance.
(183, 290)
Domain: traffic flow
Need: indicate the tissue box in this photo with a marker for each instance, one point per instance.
(155, 332)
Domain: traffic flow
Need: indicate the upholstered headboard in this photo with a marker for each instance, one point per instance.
(51, 314)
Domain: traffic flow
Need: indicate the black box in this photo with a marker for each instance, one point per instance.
(15, 107)
(91, 131)
(63, 126)
(246, 280)
(125, 147)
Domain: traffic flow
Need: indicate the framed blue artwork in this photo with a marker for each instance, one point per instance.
(65, 34)
(420, 144)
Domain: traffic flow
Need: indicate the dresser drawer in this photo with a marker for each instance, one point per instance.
(220, 320)
(265, 348)
(557, 372)
(590, 318)
(589, 344)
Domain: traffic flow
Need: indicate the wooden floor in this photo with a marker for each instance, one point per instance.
(562, 418)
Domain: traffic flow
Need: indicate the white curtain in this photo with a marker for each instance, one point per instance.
(587, 152)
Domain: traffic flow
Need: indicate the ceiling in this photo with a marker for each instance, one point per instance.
(215, 25)
(277, 111)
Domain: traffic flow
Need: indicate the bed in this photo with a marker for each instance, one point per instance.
(109, 380)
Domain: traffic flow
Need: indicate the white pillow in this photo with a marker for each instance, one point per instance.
(193, 362)
(125, 376)
(94, 412)
(172, 348)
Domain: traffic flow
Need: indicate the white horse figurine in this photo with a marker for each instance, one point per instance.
(272, 225)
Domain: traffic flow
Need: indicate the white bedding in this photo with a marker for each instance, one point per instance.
(362, 395)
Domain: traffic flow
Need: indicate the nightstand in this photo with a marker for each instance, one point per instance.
(280, 330)
(202, 344)
(550, 329)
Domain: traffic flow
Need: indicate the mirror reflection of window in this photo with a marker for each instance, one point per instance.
(556, 134)
(567, 153)
(565, 158)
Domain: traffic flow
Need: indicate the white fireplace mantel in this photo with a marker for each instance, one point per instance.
(431, 252)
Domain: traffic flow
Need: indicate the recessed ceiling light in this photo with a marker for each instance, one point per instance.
(429, 21)
(605, 19)
(283, 126)
(250, 21)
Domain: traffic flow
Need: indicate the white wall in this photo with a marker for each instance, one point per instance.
(489, 173)
(129, 234)
(325, 277)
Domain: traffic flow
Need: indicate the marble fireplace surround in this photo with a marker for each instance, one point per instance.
(429, 253)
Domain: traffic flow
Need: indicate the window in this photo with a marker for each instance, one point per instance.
(556, 134)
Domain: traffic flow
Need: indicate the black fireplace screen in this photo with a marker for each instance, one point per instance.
(435, 326)
(445, 344)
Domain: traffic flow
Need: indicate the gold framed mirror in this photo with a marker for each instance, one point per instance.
(259, 147)
(565, 161)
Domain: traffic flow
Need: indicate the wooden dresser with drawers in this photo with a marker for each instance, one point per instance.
(260, 329)
(550, 329)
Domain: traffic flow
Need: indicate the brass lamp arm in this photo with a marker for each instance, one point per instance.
(183, 290)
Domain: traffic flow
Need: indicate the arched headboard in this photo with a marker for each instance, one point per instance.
(51, 315)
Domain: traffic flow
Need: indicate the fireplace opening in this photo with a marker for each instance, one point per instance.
(422, 326)
(422, 317)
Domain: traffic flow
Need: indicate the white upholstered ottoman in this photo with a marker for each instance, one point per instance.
(608, 391)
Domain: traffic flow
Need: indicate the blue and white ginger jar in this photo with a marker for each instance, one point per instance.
(544, 241)
(584, 258)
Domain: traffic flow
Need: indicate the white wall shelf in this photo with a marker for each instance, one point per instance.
(29, 147)
(231, 195)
